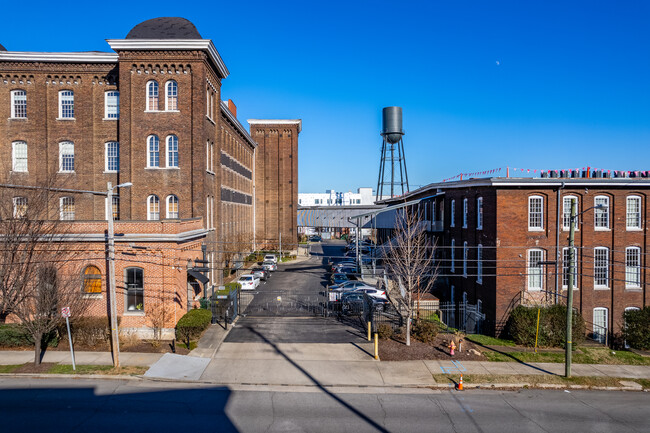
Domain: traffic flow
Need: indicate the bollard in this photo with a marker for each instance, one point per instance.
(369, 337)
(376, 346)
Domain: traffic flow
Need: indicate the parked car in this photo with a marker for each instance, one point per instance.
(315, 238)
(271, 257)
(339, 278)
(346, 264)
(248, 282)
(349, 285)
(353, 302)
(261, 273)
(269, 265)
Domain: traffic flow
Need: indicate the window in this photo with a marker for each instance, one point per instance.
(600, 324)
(209, 156)
(153, 207)
(92, 281)
(152, 96)
(535, 213)
(153, 151)
(632, 267)
(66, 206)
(601, 267)
(134, 289)
(566, 257)
(66, 104)
(465, 260)
(20, 207)
(115, 207)
(452, 219)
(172, 206)
(535, 270)
(465, 213)
(566, 212)
(171, 102)
(601, 216)
(18, 104)
(633, 212)
(112, 156)
(453, 256)
(19, 156)
(66, 156)
(479, 213)
(479, 264)
(172, 151)
(112, 105)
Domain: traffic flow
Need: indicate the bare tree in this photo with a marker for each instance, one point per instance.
(410, 264)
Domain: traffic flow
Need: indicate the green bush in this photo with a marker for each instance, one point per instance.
(522, 326)
(192, 324)
(89, 331)
(385, 331)
(232, 286)
(424, 331)
(12, 335)
(637, 328)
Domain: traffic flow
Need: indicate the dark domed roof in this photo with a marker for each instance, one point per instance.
(2, 48)
(164, 28)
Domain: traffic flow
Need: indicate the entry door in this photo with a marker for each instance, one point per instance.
(600, 324)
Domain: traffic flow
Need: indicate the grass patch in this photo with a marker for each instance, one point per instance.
(584, 355)
(193, 344)
(97, 369)
(8, 368)
(489, 341)
(645, 383)
(532, 379)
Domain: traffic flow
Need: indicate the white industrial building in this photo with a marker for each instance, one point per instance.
(363, 197)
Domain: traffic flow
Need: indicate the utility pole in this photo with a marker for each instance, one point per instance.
(569, 299)
(115, 335)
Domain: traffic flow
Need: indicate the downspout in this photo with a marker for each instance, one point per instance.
(557, 244)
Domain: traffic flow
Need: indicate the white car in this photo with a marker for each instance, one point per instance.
(269, 265)
(248, 282)
(271, 257)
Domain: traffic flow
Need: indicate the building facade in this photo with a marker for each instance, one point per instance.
(363, 197)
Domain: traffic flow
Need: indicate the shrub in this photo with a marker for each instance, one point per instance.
(522, 326)
(385, 331)
(233, 286)
(637, 324)
(424, 331)
(89, 331)
(192, 324)
(12, 335)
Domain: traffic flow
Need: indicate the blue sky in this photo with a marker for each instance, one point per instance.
(540, 85)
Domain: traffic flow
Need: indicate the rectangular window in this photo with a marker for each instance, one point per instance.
(566, 212)
(66, 104)
(112, 156)
(112, 105)
(19, 156)
(535, 270)
(465, 213)
(67, 208)
(115, 207)
(535, 213)
(479, 264)
(19, 104)
(452, 219)
(453, 256)
(633, 213)
(66, 156)
(479, 213)
(601, 215)
(465, 260)
(134, 290)
(20, 207)
(565, 267)
(632, 267)
(601, 267)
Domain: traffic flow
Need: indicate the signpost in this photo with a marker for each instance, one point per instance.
(65, 312)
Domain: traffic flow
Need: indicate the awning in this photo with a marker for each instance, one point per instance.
(198, 276)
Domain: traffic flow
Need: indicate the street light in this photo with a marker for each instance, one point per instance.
(569, 300)
(115, 335)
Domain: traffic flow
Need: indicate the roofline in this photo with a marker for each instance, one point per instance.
(237, 123)
(276, 122)
(396, 206)
(172, 44)
(81, 57)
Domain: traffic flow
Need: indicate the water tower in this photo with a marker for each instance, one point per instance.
(392, 132)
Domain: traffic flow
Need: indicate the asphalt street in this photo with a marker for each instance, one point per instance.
(61, 405)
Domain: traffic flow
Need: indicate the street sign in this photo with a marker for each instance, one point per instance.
(65, 312)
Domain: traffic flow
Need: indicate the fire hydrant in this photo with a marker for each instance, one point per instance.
(452, 347)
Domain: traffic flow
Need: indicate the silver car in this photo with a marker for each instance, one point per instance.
(269, 265)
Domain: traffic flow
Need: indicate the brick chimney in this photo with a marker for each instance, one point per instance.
(232, 107)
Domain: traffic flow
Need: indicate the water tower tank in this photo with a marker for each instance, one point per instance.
(392, 124)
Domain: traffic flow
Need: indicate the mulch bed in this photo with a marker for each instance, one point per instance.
(31, 368)
(397, 350)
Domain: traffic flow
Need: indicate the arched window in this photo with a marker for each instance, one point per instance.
(66, 104)
(172, 206)
(535, 212)
(91, 280)
(172, 151)
(67, 208)
(18, 104)
(171, 90)
(566, 212)
(134, 281)
(632, 267)
(535, 270)
(19, 156)
(66, 156)
(601, 215)
(601, 267)
(153, 151)
(153, 208)
(633, 212)
(152, 96)
(600, 324)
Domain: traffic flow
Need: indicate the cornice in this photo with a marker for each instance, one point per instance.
(276, 122)
(88, 57)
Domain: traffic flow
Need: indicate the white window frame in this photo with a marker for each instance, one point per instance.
(632, 268)
(452, 222)
(479, 213)
(153, 156)
(64, 156)
(18, 104)
(153, 208)
(601, 216)
(112, 156)
(465, 253)
(171, 200)
(535, 271)
(171, 99)
(465, 212)
(20, 207)
(479, 264)
(601, 271)
(600, 334)
(171, 141)
(19, 157)
(633, 218)
(452, 269)
(152, 92)
(566, 212)
(111, 105)
(565, 268)
(67, 208)
(67, 113)
(533, 214)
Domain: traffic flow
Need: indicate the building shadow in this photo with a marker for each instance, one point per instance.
(515, 359)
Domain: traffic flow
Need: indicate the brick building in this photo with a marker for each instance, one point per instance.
(151, 114)
(492, 233)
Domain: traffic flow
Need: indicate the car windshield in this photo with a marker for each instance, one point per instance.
(246, 277)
